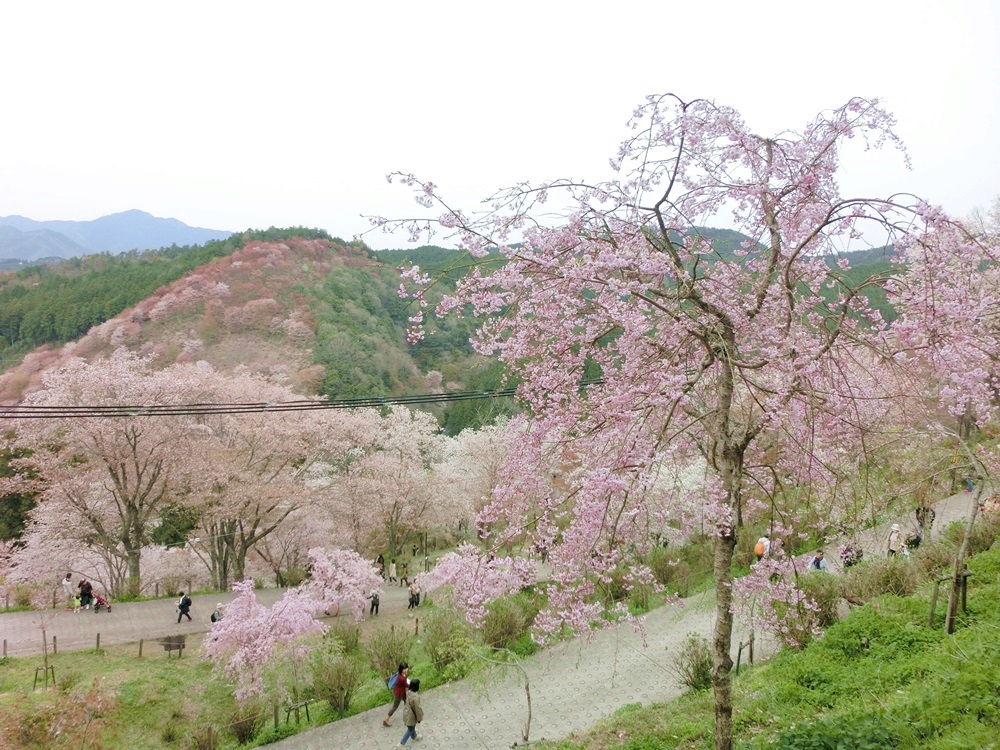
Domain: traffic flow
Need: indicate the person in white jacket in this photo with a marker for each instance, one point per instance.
(895, 541)
(818, 562)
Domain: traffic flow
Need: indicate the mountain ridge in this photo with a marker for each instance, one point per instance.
(26, 239)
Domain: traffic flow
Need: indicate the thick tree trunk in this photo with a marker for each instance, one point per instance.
(722, 640)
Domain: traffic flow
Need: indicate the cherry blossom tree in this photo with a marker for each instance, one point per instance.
(251, 640)
(728, 353)
(108, 478)
(472, 581)
(382, 485)
(339, 579)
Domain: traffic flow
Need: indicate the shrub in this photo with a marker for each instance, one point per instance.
(22, 597)
(387, 648)
(336, 677)
(932, 558)
(292, 577)
(247, 720)
(862, 731)
(693, 662)
(447, 637)
(204, 739)
(870, 580)
(986, 566)
(984, 532)
(347, 633)
(68, 680)
(509, 619)
(661, 562)
(825, 590)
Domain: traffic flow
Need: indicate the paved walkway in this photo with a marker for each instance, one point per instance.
(572, 686)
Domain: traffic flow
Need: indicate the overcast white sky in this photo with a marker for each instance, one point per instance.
(231, 115)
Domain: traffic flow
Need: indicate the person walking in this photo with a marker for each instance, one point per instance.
(413, 714)
(67, 587)
(404, 574)
(373, 610)
(895, 537)
(398, 691)
(392, 571)
(184, 607)
(414, 595)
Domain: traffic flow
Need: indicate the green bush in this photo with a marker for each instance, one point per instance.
(336, 677)
(22, 597)
(872, 579)
(387, 648)
(347, 633)
(858, 732)
(825, 590)
(510, 618)
(247, 720)
(447, 637)
(292, 577)
(693, 662)
(986, 566)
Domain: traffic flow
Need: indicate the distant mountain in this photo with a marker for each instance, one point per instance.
(35, 244)
(26, 239)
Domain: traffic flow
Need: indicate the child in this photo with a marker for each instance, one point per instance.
(76, 603)
(413, 714)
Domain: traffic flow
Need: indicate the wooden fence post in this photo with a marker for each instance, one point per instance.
(55, 650)
(416, 626)
(98, 642)
(140, 648)
(934, 597)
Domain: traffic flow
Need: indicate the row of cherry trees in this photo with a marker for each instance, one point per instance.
(256, 490)
(765, 364)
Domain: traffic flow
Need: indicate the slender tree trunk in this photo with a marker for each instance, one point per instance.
(722, 640)
(963, 549)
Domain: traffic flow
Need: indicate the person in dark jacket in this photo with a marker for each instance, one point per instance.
(86, 593)
(184, 607)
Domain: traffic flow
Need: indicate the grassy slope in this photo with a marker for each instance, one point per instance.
(878, 679)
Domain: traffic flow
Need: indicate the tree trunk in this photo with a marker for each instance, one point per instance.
(956, 581)
(722, 640)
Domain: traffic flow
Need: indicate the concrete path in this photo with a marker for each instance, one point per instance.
(127, 623)
(572, 686)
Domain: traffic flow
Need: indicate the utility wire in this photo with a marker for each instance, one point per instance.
(174, 410)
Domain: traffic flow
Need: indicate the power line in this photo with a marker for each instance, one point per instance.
(199, 409)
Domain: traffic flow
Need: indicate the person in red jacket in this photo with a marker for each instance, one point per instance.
(398, 691)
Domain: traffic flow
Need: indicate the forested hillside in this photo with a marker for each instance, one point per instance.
(293, 303)
(317, 312)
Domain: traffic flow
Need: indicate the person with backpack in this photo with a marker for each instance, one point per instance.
(413, 714)
(374, 596)
(397, 684)
(184, 607)
(762, 547)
